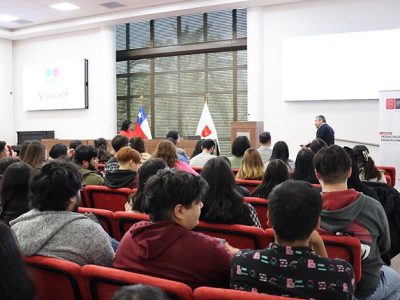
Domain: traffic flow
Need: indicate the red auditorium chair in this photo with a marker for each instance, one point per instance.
(102, 283)
(248, 184)
(124, 220)
(56, 278)
(106, 218)
(261, 206)
(239, 236)
(197, 169)
(208, 293)
(97, 196)
(100, 167)
(391, 172)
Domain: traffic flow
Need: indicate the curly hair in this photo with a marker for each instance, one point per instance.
(167, 151)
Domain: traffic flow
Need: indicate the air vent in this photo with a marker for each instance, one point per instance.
(112, 5)
(23, 21)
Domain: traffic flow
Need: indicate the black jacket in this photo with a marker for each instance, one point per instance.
(121, 178)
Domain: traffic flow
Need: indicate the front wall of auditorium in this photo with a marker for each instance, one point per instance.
(289, 121)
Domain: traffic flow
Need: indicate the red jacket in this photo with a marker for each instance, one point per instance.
(168, 250)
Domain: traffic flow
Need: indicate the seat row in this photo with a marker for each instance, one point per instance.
(65, 280)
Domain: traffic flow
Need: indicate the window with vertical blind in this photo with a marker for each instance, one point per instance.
(170, 64)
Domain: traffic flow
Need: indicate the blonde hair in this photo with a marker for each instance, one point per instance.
(125, 154)
(252, 166)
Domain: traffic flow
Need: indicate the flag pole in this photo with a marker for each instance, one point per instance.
(141, 100)
(206, 98)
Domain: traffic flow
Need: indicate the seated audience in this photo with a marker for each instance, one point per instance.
(14, 191)
(125, 176)
(167, 151)
(117, 143)
(149, 168)
(58, 151)
(101, 145)
(3, 150)
(296, 264)
(350, 212)
(276, 173)
(281, 151)
(222, 202)
(166, 247)
(22, 152)
(197, 149)
(126, 129)
(53, 228)
(239, 146)
(366, 165)
(139, 292)
(252, 167)
(174, 137)
(71, 149)
(137, 143)
(304, 168)
(265, 149)
(15, 280)
(35, 154)
(207, 150)
(86, 159)
(316, 144)
(5, 163)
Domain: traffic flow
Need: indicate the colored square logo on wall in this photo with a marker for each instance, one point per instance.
(390, 103)
(397, 103)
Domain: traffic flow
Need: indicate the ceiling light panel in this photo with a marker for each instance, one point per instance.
(64, 6)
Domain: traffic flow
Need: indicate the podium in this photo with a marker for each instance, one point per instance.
(251, 129)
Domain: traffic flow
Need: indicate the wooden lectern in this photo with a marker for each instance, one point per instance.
(251, 129)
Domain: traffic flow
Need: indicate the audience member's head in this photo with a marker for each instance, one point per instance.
(137, 143)
(14, 191)
(366, 164)
(197, 149)
(86, 157)
(128, 159)
(208, 146)
(173, 135)
(35, 154)
(3, 149)
(252, 166)
(24, 145)
(126, 125)
(119, 141)
(167, 151)
(316, 144)
(139, 292)
(280, 151)
(276, 173)
(147, 169)
(304, 168)
(71, 148)
(101, 145)
(265, 138)
(240, 145)
(56, 186)
(5, 162)
(175, 196)
(332, 165)
(292, 203)
(58, 151)
(15, 281)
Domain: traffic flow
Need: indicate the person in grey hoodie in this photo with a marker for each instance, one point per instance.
(53, 228)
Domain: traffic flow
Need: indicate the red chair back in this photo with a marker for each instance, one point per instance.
(124, 221)
(56, 278)
(197, 169)
(106, 218)
(391, 172)
(251, 185)
(388, 180)
(102, 283)
(261, 206)
(103, 197)
(208, 293)
(239, 236)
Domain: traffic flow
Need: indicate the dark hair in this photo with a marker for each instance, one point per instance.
(365, 163)
(294, 210)
(101, 145)
(167, 151)
(24, 145)
(58, 151)
(222, 202)
(264, 137)
(240, 145)
(85, 153)
(173, 134)
(74, 144)
(15, 283)
(276, 172)
(316, 144)
(35, 154)
(304, 168)
(139, 292)
(3, 148)
(197, 149)
(137, 143)
(169, 188)
(5, 162)
(53, 184)
(14, 191)
(125, 125)
(321, 117)
(208, 144)
(332, 164)
(119, 141)
(280, 151)
(146, 170)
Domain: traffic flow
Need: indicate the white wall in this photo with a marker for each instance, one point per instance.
(98, 46)
(294, 121)
(6, 88)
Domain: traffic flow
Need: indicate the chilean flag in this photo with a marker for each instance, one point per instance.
(206, 128)
(142, 127)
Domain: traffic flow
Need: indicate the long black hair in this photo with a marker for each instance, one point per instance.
(304, 168)
(280, 151)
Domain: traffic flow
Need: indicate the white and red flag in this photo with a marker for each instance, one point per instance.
(206, 128)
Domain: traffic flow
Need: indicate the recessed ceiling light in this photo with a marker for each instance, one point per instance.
(64, 6)
(8, 18)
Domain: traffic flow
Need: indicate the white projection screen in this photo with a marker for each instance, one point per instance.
(56, 85)
(344, 66)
